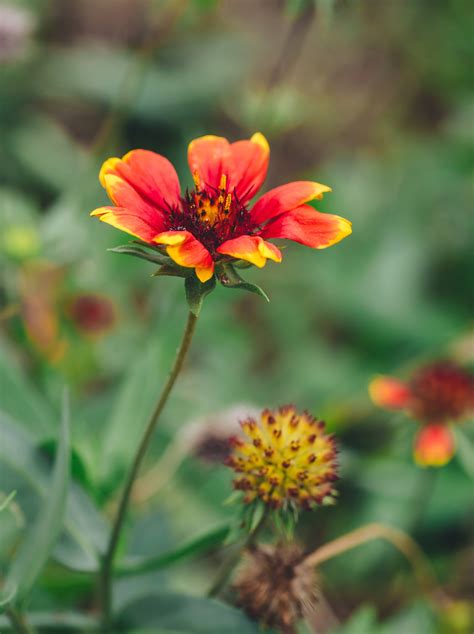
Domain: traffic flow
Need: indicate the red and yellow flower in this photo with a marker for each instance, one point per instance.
(214, 222)
(436, 395)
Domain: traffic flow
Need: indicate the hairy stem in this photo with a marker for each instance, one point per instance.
(108, 559)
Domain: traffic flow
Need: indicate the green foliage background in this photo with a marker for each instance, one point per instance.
(374, 99)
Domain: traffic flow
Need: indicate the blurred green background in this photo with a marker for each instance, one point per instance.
(372, 98)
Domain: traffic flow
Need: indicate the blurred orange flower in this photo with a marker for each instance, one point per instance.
(39, 286)
(44, 302)
(436, 395)
(213, 223)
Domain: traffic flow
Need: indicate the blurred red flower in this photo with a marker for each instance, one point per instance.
(436, 395)
(92, 314)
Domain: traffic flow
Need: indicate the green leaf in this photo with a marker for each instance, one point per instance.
(465, 451)
(38, 544)
(196, 291)
(196, 546)
(7, 598)
(363, 621)
(133, 403)
(155, 256)
(57, 621)
(22, 401)
(229, 278)
(66, 157)
(24, 467)
(182, 613)
(7, 501)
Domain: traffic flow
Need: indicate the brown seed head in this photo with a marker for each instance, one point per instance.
(275, 587)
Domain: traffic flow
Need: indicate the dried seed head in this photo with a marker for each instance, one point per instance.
(275, 587)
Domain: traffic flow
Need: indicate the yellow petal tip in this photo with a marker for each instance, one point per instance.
(259, 139)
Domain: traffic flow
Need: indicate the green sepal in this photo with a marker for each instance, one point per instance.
(229, 278)
(173, 270)
(155, 256)
(246, 521)
(241, 264)
(196, 291)
(284, 522)
(235, 496)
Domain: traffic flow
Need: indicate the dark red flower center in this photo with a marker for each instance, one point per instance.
(442, 392)
(212, 215)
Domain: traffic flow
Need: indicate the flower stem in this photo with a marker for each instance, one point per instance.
(108, 559)
(18, 621)
(403, 542)
(228, 566)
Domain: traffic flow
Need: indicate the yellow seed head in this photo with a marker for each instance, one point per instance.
(285, 460)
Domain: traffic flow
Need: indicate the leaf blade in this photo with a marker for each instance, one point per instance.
(37, 547)
(196, 546)
(229, 278)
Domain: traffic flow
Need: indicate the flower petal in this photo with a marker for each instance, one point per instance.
(131, 222)
(389, 392)
(252, 249)
(186, 250)
(127, 198)
(151, 175)
(308, 226)
(244, 164)
(208, 158)
(434, 445)
(285, 198)
(249, 165)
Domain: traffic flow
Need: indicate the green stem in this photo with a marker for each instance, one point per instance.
(108, 559)
(228, 566)
(423, 496)
(19, 622)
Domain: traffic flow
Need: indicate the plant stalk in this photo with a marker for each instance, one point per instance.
(18, 621)
(228, 566)
(402, 542)
(108, 559)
